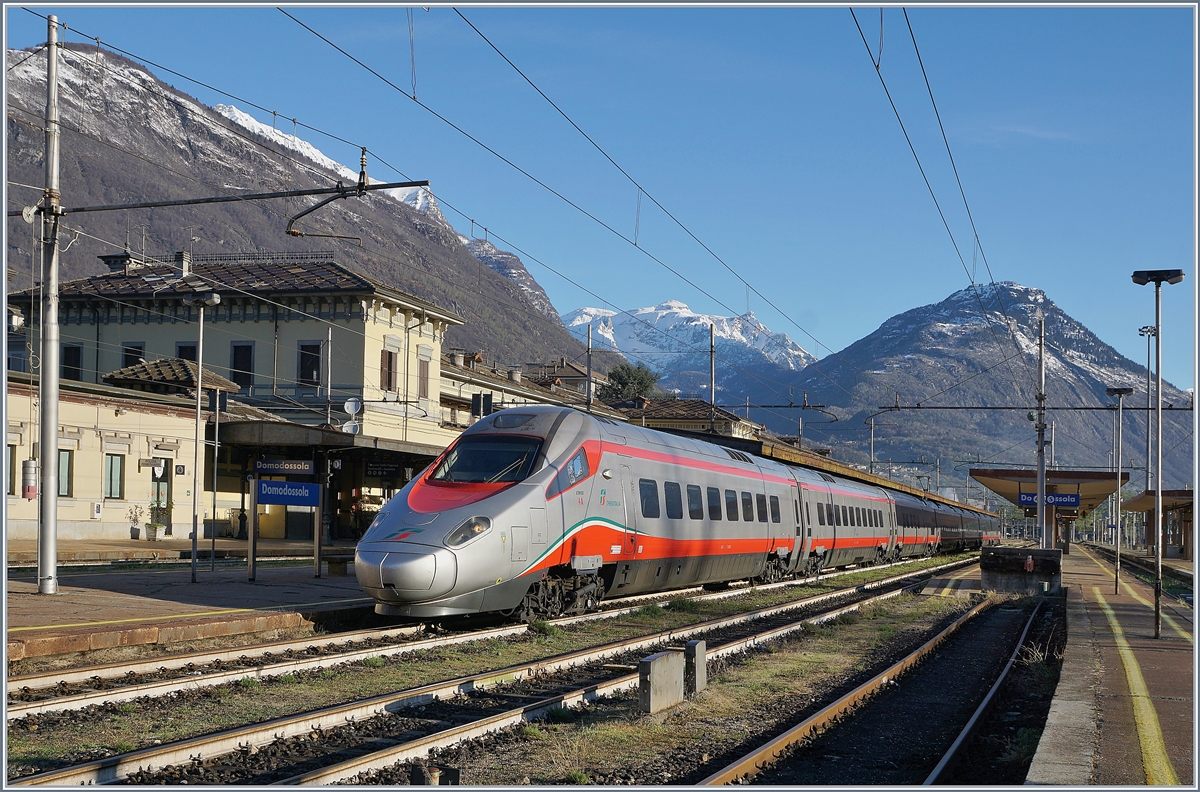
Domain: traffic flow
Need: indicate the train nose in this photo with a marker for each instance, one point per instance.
(391, 576)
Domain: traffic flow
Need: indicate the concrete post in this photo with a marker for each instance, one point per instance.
(695, 673)
(660, 683)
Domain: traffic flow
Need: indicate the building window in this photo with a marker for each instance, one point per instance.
(649, 492)
(12, 470)
(387, 370)
(422, 379)
(18, 355)
(132, 353)
(674, 498)
(72, 362)
(308, 368)
(114, 476)
(241, 363)
(186, 350)
(66, 466)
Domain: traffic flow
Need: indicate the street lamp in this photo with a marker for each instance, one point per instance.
(202, 301)
(1141, 278)
(1120, 393)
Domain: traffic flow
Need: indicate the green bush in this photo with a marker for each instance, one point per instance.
(577, 777)
(249, 683)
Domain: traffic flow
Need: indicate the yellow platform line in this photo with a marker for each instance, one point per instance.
(953, 582)
(169, 616)
(1155, 761)
(1187, 636)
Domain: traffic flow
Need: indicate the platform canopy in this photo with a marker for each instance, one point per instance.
(1092, 486)
(1171, 499)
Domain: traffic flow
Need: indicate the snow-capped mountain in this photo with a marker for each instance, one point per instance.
(129, 137)
(510, 266)
(673, 340)
(978, 348)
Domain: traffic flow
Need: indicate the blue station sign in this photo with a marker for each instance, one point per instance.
(1052, 499)
(288, 493)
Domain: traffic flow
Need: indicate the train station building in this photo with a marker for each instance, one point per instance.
(293, 340)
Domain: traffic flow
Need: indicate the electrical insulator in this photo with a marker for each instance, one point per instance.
(29, 475)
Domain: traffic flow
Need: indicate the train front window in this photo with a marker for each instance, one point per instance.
(488, 460)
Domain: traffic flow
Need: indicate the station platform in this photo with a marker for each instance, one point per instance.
(1122, 713)
(103, 606)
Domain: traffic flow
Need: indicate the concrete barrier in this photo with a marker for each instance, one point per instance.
(1016, 570)
(660, 681)
(695, 672)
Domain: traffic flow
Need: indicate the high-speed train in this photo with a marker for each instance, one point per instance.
(539, 510)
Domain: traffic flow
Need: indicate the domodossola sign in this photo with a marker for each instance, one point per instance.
(299, 467)
(1052, 499)
(288, 493)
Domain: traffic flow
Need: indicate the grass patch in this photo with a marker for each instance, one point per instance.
(249, 683)
(373, 662)
(124, 746)
(531, 732)
(684, 605)
(1022, 747)
(125, 708)
(542, 627)
(289, 679)
(577, 777)
(560, 715)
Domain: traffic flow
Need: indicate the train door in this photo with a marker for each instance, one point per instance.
(632, 499)
(799, 535)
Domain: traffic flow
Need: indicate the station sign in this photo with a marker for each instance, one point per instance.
(288, 493)
(1052, 499)
(383, 469)
(276, 467)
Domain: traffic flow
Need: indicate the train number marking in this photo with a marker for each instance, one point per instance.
(615, 550)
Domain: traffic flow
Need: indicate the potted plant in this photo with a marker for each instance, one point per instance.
(135, 517)
(159, 513)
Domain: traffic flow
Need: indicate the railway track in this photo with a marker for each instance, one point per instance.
(454, 710)
(63, 690)
(905, 725)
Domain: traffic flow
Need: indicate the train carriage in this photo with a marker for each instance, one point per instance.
(538, 510)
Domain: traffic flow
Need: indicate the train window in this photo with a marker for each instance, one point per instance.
(695, 502)
(714, 503)
(674, 500)
(649, 492)
(845, 515)
(488, 459)
(839, 516)
(796, 504)
(761, 501)
(853, 518)
(820, 514)
(575, 471)
(879, 517)
(747, 507)
(731, 506)
(775, 510)
(808, 515)
(830, 514)
(858, 515)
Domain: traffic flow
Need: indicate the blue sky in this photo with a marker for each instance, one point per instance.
(766, 132)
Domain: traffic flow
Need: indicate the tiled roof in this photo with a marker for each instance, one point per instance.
(169, 371)
(677, 409)
(263, 273)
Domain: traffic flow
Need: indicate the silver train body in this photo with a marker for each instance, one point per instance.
(536, 511)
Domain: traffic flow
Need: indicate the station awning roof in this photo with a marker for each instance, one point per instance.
(270, 433)
(1093, 486)
(1172, 499)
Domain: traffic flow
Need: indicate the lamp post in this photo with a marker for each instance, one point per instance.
(1141, 278)
(1120, 393)
(202, 302)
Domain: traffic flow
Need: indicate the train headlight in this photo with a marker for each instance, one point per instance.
(470, 529)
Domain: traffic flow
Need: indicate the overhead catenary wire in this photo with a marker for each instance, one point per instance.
(642, 191)
(929, 187)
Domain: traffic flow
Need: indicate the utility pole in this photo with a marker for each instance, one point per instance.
(1120, 393)
(47, 550)
(1047, 539)
(328, 382)
(872, 445)
(587, 387)
(1149, 332)
(712, 378)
